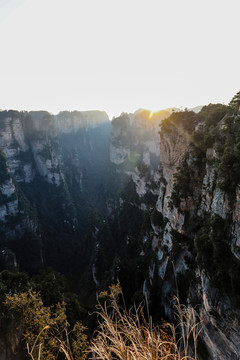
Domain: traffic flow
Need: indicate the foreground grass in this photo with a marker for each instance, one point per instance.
(121, 334)
(126, 335)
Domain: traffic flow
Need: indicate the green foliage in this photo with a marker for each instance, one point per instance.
(212, 114)
(229, 157)
(188, 177)
(212, 243)
(45, 329)
(14, 282)
(10, 283)
(229, 168)
(51, 286)
(187, 119)
(215, 257)
(182, 181)
(235, 102)
(79, 342)
(209, 134)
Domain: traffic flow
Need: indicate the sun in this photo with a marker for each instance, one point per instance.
(150, 115)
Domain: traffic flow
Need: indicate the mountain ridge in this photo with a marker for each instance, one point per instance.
(125, 200)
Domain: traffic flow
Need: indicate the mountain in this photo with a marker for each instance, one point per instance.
(44, 160)
(149, 199)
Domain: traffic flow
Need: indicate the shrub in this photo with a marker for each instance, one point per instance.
(45, 329)
(187, 119)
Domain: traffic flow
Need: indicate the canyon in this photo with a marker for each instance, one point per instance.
(150, 199)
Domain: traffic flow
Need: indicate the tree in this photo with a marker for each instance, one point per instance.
(46, 329)
(235, 102)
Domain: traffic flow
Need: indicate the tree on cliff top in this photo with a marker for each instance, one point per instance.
(235, 102)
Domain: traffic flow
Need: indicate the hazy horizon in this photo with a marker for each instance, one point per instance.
(102, 110)
(117, 56)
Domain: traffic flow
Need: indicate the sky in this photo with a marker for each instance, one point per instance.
(118, 55)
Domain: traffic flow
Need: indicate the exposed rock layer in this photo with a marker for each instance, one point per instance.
(177, 182)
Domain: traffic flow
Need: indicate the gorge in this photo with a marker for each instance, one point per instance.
(150, 199)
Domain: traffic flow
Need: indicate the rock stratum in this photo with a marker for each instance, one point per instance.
(153, 206)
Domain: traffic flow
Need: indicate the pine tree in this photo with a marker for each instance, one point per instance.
(235, 102)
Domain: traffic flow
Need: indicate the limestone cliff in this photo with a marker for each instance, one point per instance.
(199, 201)
(133, 201)
(37, 157)
(71, 122)
(135, 137)
(135, 148)
(192, 223)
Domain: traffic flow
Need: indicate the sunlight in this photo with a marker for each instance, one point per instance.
(150, 115)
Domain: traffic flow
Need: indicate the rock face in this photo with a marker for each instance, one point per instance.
(72, 122)
(192, 190)
(36, 149)
(135, 148)
(173, 146)
(11, 348)
(135, 137)
(149, 210)
(196, 224)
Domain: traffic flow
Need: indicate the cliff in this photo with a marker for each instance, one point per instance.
(39, 170)
(135, 137)
(190, 234)
(151, 206)
(199, 200)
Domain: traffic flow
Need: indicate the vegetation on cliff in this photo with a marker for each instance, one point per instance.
(215, 145)
(121, 333)
(96, 226)
(46, 329)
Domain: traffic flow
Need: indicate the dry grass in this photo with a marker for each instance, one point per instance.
(121, 334)
(126, 335)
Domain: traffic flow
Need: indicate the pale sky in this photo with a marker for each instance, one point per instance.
(118, 55)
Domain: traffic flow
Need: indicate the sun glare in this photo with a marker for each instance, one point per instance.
(150, 115)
